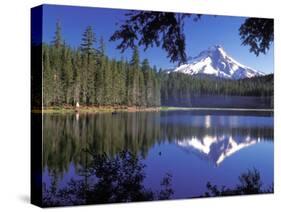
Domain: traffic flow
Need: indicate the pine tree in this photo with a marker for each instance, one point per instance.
(142, 91)
(115, 84)
(88, 53)
(156, 89)
(148, 82)
(107, 82)
(67, 74)
(99, 88)
(47, 78)
(56, 63)
(122, 77)
(76, 66)
(57, 42)
(134, 78)
(157, 92)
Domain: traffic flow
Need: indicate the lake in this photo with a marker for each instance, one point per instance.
(149, 154)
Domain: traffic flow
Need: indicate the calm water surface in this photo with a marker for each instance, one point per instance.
(192, 147)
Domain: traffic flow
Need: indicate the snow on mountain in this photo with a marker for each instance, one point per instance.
(216, 62)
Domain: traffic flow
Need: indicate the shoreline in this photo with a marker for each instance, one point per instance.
(218, 109)
(94, 109)
(109, 109)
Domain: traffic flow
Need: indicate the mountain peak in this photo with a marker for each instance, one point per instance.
(216, 47)
(216, 62)
(213, 51)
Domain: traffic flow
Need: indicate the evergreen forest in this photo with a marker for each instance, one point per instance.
(87, 75)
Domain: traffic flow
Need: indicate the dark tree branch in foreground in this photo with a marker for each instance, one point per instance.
(258, 34)
(163, 29)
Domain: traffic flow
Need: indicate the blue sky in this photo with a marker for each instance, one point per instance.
(208, 31)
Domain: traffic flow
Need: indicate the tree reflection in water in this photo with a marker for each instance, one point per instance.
(107, 180)
(64, 136)
(112, 168)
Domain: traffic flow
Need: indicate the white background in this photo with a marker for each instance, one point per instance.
(15, 102)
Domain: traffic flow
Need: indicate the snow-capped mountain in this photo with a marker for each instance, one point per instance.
(216, 62)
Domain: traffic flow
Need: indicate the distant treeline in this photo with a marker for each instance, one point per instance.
(178, 86)
(88, 76)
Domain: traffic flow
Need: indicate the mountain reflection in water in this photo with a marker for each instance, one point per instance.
(217, 148)
(158, 139)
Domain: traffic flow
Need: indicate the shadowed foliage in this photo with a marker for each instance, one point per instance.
(258, 34)
(107, 180)
(166, 29)
(249, 183)
(163, 29)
